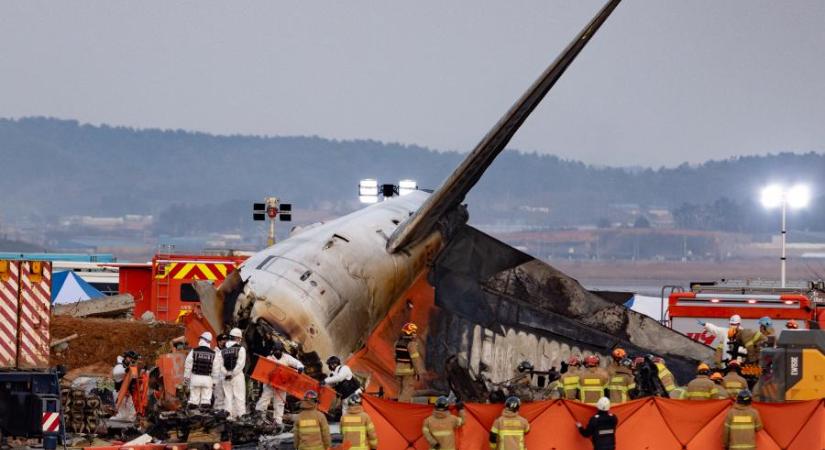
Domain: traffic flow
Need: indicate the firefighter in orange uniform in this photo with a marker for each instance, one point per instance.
(509, 429)
(439, 429)
(311, 430)
(592, 381)
(741, 424)
(408, 362)
(357, 426)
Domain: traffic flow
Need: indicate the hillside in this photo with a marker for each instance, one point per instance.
(52, 168)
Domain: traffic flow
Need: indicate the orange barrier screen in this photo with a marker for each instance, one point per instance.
(294, 383)
(650, 423)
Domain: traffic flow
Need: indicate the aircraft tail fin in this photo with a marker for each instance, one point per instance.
(466, 175)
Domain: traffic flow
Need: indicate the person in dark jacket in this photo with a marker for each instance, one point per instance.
(602, 427)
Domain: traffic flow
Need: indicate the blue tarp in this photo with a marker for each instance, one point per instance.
(67, 287)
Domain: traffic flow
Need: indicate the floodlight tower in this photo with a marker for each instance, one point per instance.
(271, 208)
(796, 197)
(369, 189)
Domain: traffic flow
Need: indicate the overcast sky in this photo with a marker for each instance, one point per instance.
(662, 82)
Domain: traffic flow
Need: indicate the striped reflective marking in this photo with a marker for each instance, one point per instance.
(35, 309)
(50, 422)
(9, 309)
(193, 270)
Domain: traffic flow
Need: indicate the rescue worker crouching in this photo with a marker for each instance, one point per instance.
(440, 427)
(311, 430)
(357, 427)
(733, 381)
(741, 424)
(276, 396)
(622, 381)
(601, 428)
(408, 362)
(701, 387)
(342, 380)
(200, 371)
(592, 381)
(509, 429)
(521, 383)
(232, 375)
(126, 412)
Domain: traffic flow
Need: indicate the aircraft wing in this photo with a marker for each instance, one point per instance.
(466, 175)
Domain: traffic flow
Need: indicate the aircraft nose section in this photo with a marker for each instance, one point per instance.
(285, 307)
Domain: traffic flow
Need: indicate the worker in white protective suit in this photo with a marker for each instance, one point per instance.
(199, 372)
(126, 412)
(723, 337)
(272, 395)
(342, 380)
(217, 382)
(234, 382)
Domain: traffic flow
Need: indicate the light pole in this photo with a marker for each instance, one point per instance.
(778, 196)
(272, 208)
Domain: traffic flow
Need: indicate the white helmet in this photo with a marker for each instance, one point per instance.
(236, 333)
(735, 319)
(206, 336)
(603, 404)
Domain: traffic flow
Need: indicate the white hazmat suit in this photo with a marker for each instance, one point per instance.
(276, 396)
(234, 382)
(200, 369)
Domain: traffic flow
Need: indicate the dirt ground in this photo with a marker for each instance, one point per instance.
(100, 341)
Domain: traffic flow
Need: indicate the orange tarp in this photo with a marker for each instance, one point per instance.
(377, 357)
(650, 423)
(294, 383)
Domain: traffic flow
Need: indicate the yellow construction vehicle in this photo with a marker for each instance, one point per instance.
(794, 369)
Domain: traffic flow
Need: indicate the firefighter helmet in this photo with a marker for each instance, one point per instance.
(603, 404)
(791, 325)
(619, 354)
(573, 361)
(512, 403)
(311, 396)
(206, 336)
(735, 320)
(235, 333)
(765, 322)
(525, 366)
(744, 397)
(716, 376)
(441, 403)
(702, 369)
(409, 328)
(591, 361)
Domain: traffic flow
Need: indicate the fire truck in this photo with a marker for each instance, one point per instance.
(164, 286)
(715, 302)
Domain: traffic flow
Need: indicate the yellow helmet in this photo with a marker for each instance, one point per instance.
(702, 367)
(409, 328)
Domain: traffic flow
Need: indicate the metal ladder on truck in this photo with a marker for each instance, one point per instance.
(162, 285)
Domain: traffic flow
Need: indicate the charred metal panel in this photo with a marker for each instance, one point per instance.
(491, 295)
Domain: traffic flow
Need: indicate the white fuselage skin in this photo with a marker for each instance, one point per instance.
(327, 286)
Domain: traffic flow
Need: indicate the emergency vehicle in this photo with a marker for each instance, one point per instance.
(716, 302)
(164, 286)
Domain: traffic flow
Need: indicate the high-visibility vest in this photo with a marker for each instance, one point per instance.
(619, 385)
(701, 388)
(358, 431)
(666, 377)
(734, 383)
(591, 386)
(510, 429)
(570, 384)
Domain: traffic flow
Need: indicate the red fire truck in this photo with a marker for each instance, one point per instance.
(164, 286)
(716, 302)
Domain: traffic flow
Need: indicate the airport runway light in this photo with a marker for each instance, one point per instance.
(407, 187)
(796, 197)
(368, 190)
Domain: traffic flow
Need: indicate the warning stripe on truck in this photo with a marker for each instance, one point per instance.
(193, 270)
(50, 422)
(35, 309)
(9, 279)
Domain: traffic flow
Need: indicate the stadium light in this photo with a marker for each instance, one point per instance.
(796, 197)
(368, 190)
(407, 187)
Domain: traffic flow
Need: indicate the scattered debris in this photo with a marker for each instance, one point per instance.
(112, 307)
